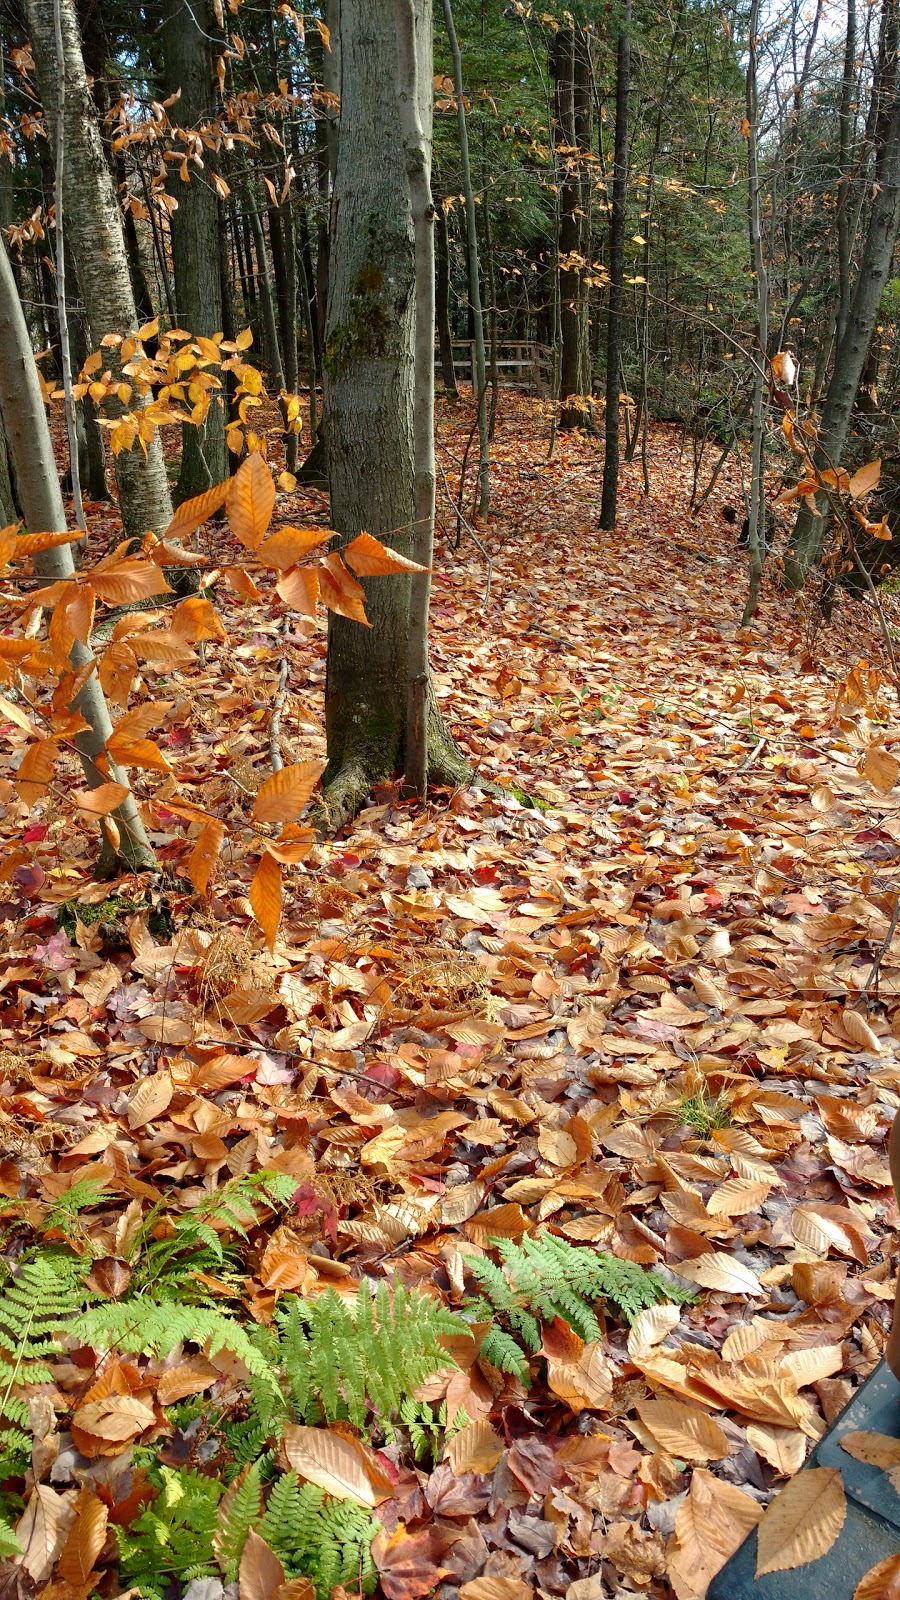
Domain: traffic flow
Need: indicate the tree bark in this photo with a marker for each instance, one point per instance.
(442, 302)
(98, 247)
(850, 358)
(31, 449)
(756, 530)
(479, 376)
(190, 68)
(572, 81)
(369, 420)
(609, 498)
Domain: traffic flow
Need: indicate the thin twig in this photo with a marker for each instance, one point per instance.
(885, 947)
(275, 723)
(469, 529)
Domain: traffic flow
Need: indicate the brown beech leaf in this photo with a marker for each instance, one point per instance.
(101, 801)
(192, 513)
(283, 795)
(117, 1418)
(407, 1562)
(488, 1588)
(684, 1431)
(875, 1449)
(369, 558)
(881, 769)
(881, 1582)
(475, 1448)
(43, 1529)
(323, 1457)
(260, 1573)
(86, 1538)
(710, 1525)
(250, 500)
(802, 1522)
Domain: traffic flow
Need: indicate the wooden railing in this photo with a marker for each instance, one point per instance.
(520, 364)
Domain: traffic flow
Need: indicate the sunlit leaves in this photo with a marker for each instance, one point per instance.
(250, 500)
(283, 795)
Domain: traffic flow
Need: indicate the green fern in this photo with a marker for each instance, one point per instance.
(36, 1308)
(62, 1216)
(149, 1326)
(240, 1509)
(196, 1244)
(317, 1537)
(545, 1277)
(9, 1544)
(173, 1537)
(345, 1360)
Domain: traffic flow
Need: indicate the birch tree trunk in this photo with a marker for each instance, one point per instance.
(369, 409)
(97, 243)
(25, 424)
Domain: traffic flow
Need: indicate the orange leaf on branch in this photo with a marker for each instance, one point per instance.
(286, 546)
(340, 591)
(299, 588)
(250, 501)
(284, 794)
(369, 558)
(101, 801)
(265, 896)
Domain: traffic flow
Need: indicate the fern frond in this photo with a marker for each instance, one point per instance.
(315, 1536)
(545, 1277)
(149, 1326)
(240, 1508)
(36, 1307)
(173, 1537)
(346, 1360)
(9, 1544)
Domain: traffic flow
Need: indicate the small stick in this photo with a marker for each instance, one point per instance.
(886, 945)
(748, 760)
(275, 723)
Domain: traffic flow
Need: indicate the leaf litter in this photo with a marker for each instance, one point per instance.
(644, 1005)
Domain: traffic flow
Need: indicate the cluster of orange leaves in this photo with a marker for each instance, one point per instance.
(137, 644)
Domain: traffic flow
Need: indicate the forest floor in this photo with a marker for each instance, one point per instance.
(650, 1008)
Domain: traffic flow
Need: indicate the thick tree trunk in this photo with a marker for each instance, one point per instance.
(756, 520)
(850, 358)
(97, 244)
(609, 499)
(25, 422)
(190, 68)
(572, 80)
(369, 391)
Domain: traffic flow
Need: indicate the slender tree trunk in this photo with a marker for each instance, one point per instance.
(190, 69)
(572, 80)
(875, 266)
(98, 246)
(31, 449)
(267, 303)
(756, 547)
(375, 468)
(609, 498)
(445, 332)
(479, 377)
(846, 119)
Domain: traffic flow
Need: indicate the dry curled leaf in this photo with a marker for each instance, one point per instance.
(802, 1522)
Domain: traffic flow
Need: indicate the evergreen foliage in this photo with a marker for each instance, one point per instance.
(318, 1537)
(173, 1537)
(543, 1278)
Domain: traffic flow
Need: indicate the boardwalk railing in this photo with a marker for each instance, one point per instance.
(520, 364)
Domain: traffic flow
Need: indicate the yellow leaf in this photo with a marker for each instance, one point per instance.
(286, 546)
(865, 480)
(783, 1448)
(684, 1431)
(881, 769)
(284, 794)
(250, 500)
(36, 770)
(205, 854)
(299, 589)
(196, 619)
(802, 1522)
(265, 896)
(193, 513)
(128, 581)
(710, 1525)
(7, 543)
(340, 592)
(475, 1448)
(142, 753)
(149, 330)
(101, 801)
(371, 559)
(717, 1270)
(244, 339)
(287, 481)
(32, 544)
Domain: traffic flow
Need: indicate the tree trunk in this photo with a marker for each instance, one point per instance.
(846, 119)
(609, 499)
(572, 80)
(25, 422)
(756, 519)
(369, 412)
(442, 302)
(98, 246)
(850, 358)
(190, 68)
